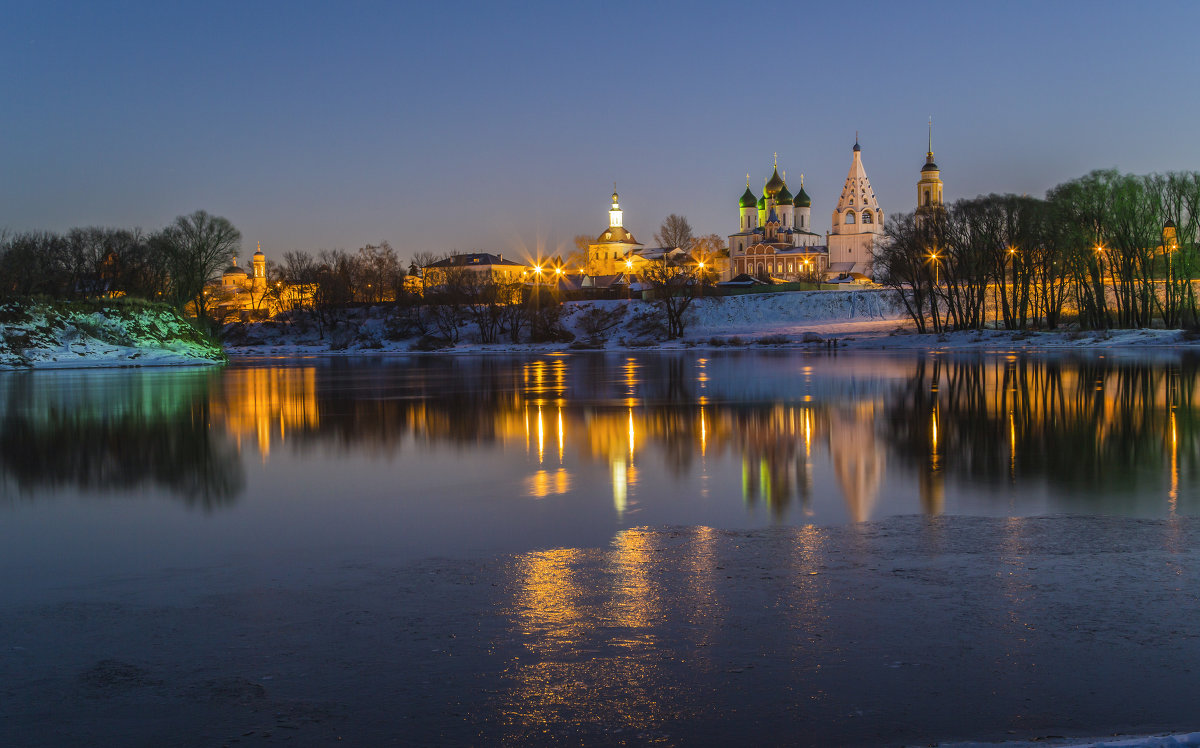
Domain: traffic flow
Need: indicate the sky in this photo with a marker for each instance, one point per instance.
(502, 127)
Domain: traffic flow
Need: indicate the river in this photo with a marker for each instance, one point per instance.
(627, 547)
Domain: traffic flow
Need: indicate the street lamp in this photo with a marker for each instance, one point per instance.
(934, 257)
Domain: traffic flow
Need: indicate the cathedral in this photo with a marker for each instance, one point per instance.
(776, 238)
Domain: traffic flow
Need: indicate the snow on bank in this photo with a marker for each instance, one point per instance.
(63, 335)
(859, 319)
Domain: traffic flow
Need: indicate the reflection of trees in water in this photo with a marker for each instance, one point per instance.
(1106, 429)
(108, 432)
(639, 410)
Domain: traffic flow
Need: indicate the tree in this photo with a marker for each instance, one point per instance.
(196, 248)
(674, 283)
(579, 258)
(674, 233)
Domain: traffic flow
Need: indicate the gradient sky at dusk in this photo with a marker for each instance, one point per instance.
(502, 127)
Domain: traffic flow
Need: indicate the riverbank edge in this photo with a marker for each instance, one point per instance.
(42, 334)
(973, 341)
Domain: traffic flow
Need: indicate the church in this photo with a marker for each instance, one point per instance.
(776, 240)
(615, 245)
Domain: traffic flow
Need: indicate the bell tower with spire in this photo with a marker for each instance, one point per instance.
(929, 188)
(857, 221)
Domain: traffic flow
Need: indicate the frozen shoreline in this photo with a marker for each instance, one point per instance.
(855, 320)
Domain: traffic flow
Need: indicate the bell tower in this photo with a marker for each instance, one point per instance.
(929, 188)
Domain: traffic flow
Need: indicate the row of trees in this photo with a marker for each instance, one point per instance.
(1107, 249)
(172, 264)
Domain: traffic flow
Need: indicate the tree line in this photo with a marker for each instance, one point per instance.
(1104, 250)
(172, 264)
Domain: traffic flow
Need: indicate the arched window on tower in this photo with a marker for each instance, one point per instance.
(866, 216)
(926, 198)
(849, 216)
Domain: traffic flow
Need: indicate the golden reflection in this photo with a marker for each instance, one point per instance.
(632, 436)
(541, 437)
(1173, 494)
(1095, 426)
(587, 621)
(266, 403)
(620, 487)
(543, 483)
(560, 436)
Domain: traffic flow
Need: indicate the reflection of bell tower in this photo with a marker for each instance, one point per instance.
(857, 461)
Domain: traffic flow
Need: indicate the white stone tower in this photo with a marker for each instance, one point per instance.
(857, 221)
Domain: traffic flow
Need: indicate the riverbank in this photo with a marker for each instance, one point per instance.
(859, 319)
(116, 333)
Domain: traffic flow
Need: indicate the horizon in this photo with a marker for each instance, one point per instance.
(483, 128)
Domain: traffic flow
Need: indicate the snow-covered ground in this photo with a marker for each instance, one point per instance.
(861, 319)
(68, 336)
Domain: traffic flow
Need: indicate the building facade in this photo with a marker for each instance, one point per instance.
(775, 237)
(607, 255)
(857, 223)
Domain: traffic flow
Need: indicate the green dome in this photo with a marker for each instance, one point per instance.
(784, 196)
(774, 184)
(762, 203)
(748, 199)
(802, 199)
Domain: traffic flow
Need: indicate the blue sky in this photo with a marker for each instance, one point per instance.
(502, 127)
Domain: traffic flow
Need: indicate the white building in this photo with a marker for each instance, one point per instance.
(857, 223)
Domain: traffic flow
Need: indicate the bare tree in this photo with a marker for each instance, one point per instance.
(197, 247)
(675, 233)
(674, 283)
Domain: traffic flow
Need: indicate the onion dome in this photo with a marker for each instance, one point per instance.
(762, 203)
(856, 148)
(233, 270)
(774, 184)
(748, 199)
(802, 199)
(1169, 225)
(929, 165)
(784, 195)
(258, 252)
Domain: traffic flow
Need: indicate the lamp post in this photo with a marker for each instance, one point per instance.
(1012, 258)
(1101, 294)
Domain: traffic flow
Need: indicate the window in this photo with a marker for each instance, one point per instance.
(791, 266)
(866, 216)
(926, 197)
(850, 215)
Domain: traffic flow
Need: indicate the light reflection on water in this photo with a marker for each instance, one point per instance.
(442, 455)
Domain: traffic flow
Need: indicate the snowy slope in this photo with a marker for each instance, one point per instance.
(859, 318)
(64, 335)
